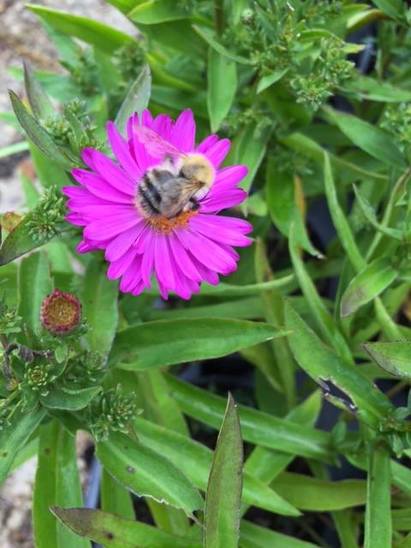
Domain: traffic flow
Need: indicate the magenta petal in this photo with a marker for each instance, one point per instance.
(99, 187)
(184, 131)
(162, 262)
(147, 263)
(163, 125)
(218, 232)
(230, 176)
(122, 243)
(183, 259)
(118, 267)
(108, 227)
(223, 200)
(122, 152)
(206, 251)
(111, 172)
(207, 143)
(218, 152)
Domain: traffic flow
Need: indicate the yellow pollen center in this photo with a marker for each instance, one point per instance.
(166, 226)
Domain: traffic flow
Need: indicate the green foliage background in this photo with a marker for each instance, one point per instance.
(279, 78)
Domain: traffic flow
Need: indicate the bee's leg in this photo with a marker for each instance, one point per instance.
(192, 205)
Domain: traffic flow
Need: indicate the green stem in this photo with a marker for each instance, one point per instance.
(219, 16)
(388, 211)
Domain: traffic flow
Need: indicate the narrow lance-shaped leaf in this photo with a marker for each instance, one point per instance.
(378, 526)
(34, 285)
(223, 498)
(99, 301)
(208, 35)
(394, 357)
(367, 285)
(40, 103)
(152, 12)
(115, 498)
(116, 532)
(317, 495)
(36, 133)
(97, 34)
(371, 139)
(322, 364)
(14, 436)
(370, 215)
(257, 427)
(249, 148)
(57, 482)
(195, 460)
(222, 87)
(255, 536)
(147, 473)
(161, 343)
(137, 98)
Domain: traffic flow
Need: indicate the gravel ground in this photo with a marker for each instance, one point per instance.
(22, 37)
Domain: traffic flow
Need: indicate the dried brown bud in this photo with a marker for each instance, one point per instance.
(60, 312)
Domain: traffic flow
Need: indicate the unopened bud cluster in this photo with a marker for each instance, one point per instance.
(44, 220)
(112, 411)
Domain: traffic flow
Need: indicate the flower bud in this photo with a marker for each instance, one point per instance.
(60, 312)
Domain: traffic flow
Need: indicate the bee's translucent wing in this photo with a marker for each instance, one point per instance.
(156, 146)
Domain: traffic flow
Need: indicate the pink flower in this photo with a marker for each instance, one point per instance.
(125, 216)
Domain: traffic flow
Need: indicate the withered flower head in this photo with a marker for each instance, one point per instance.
(60, 312)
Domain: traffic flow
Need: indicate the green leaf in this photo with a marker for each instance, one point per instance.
(39, 101)
(339, 219)
(322, 364)
(371, 216)
(36, 133)
(153, 12)
(394, 357)
(249, 148)
(374, 90)
(161, 343)
(195, 460)
(15, 148)
(102, 36)
(282, 191)
(266, 464)
(99, 301)
(19, 241)
(255, 536)
(137, 98)
(115, 498)
(270, 79)
(317, 306)
(47, 170)
(376, 142)
(249, 308)
(222, 87)
(58, 398)
(34, 285)
(209, 36)
(57, 482)
(118, 532)
(257, 427)
(311, 149)
(378, 527)
(393, 8)
(123, 5)
(147, 473)
(14, 436)
(223, 498)
(367, 285)
(317, 495)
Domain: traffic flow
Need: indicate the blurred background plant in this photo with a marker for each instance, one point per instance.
(311, 335)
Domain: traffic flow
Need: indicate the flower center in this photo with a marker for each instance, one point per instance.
(166, 226)
(60, 312)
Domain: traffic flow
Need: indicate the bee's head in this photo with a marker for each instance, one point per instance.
(197, 168)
